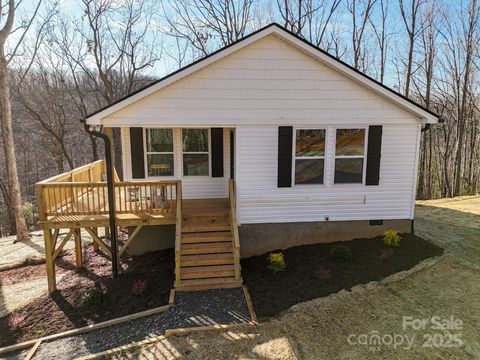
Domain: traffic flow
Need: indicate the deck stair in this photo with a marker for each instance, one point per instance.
(207, 258)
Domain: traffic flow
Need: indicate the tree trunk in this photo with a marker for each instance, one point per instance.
(8, 147)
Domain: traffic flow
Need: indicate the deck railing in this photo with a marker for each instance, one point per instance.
(232, 198)
(84, 191)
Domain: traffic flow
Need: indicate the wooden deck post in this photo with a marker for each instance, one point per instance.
(52, 284)
(78, 248)
(95, 245)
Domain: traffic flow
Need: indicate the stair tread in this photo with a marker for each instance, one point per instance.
(206, 274)
(216, 280)
(218, 236)
(207, 218)
(192, 228)
(207, 245)
(207, 256)
(206, 259)
(199, 269)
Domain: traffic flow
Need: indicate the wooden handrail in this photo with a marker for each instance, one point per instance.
(98, 167)
(233, 219)
(104, 183)
(178, 232)
(57, 198)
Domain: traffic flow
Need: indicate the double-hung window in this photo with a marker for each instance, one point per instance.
(309, 156)
(159, 152)
(195, 152)
(349, 156)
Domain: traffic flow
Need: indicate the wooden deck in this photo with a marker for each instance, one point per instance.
(122, 220)
(207, 248)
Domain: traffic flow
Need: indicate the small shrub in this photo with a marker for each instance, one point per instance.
(391, 238)
(386, 253)
(324, 273)
(341, 253)
(138, 287)
(92, 297)
(276, 262)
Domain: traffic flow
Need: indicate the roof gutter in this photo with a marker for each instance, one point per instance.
(111, 193)
(428, 125)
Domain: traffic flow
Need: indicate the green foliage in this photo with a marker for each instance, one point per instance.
(276, 262)
(31, 215)
(92, 296)
(341, 253)
(391, 238)
(468, 191)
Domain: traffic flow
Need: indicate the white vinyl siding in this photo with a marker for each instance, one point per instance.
(268, 81)
(269, 84)
(261, 201)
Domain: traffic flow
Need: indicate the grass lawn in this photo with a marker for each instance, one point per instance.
(312, 271)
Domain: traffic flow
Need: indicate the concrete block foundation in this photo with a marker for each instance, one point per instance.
(258, 239)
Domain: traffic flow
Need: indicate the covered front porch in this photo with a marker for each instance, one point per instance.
(207, 247)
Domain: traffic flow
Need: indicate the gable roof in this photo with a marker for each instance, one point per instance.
(425, 115)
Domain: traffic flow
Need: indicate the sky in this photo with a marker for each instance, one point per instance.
(73, 9)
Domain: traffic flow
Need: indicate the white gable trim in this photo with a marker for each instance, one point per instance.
(423, 115)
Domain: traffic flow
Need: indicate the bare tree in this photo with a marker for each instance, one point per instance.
(207, 24)
(7, 17)
(310, 19)
(106, 52)
(410, 19)
(471, 40)
(43, 99)
(360, 12)
(424, 87)
(382, 35)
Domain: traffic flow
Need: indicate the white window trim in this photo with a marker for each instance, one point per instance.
(146, 153)
(364, 156)
(295, 157)
(195, 152)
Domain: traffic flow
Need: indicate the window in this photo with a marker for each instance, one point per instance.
(309, 156)
(159, 152)
(195, 152)
(349, 156)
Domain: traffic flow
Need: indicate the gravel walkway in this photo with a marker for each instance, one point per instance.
(200, 308)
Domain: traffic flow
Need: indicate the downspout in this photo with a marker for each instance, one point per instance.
(111, 195)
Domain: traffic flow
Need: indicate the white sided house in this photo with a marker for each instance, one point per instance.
(318, 151)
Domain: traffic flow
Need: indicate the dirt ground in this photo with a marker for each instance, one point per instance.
(31, 251)
(25, 260)
(321, 328)
(312, 273)
(67, 308)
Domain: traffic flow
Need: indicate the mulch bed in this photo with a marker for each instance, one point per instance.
(65, 309)
(312, 273)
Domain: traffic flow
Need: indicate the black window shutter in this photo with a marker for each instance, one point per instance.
(374, 154)
(285, 135)
(136, 151)
(216, 135)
